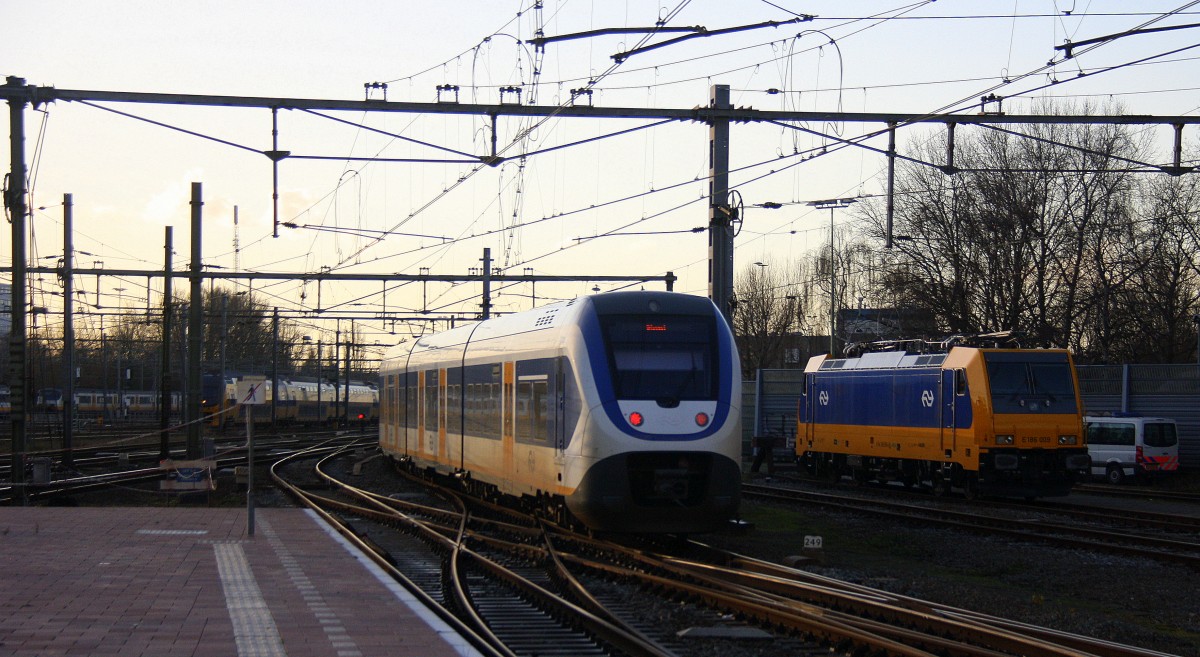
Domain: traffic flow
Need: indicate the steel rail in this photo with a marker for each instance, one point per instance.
(978, 523)
(602, 625)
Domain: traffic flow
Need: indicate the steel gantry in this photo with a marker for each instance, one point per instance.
(718, 114)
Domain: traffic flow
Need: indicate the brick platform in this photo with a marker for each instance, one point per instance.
(181, 581)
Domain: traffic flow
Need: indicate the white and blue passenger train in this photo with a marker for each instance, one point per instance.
(622, 410)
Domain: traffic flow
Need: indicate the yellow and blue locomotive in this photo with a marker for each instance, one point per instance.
(993, 420)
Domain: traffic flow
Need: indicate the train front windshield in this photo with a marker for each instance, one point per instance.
(662, 358)
(1024, 382)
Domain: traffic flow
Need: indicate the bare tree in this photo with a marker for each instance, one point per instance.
(1034, 234)
(772, 301)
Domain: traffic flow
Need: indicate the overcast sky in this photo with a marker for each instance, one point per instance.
(623, 205)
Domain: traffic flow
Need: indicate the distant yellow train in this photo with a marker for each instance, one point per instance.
(998, 421)
(94, 406)
(300, 402)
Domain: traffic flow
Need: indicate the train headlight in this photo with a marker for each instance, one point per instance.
(702, 419)
(1068, 440)
(1004, 439)
(636, 419)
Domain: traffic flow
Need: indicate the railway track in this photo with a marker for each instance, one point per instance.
(1140, 493)
(624, 593)
(131, 464)
(1169, 522)
(1017, 525)
(499, 599)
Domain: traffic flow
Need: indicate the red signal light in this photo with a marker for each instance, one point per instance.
(656, 328)
(702, 419)
(361, 416)
(636, 419)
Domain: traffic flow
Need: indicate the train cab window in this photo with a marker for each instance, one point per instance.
(662, 357)
(960, 382)
(1024, 382)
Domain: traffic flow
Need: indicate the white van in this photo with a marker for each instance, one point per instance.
(1123, 447)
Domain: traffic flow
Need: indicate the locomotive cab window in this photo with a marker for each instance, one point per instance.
(662, 357)
(1031, 383)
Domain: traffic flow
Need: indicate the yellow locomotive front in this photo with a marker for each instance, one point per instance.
(1031, 440)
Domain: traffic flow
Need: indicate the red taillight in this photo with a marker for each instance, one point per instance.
(636, 419)
(702, 419)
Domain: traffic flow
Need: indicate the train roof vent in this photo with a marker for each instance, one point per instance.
(547, 319)
(881, 359)
(833, 364)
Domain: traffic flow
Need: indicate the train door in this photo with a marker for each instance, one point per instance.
(429, 438)
(804, 415)
(508, 407)
(948, 423)
(441, 450)
(419, 408)
(558, 429)
(412, 413)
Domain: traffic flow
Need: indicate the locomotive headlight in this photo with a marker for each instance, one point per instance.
(1068, 440)
(636, 419)
(702, 419)
(1004, 439)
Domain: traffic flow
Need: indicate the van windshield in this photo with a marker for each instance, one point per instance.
(1160, 434)
(1110, 433)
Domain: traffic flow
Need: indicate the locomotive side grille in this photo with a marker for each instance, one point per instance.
(669, 479)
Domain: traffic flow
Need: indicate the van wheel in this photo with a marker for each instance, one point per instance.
(1115, 475)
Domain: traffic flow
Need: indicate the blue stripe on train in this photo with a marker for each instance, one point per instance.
(886, 398)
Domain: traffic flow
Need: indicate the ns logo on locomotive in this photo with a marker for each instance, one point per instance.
(620, 411)
(977, 413)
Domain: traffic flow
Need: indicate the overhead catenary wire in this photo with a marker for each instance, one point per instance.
(546, 218)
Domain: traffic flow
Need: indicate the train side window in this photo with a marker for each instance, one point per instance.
(960, 382)
(494, 410)
(399, 397)
(431, 401)
(541, 409)
(454, 409)
(413, 410)
(524, 426)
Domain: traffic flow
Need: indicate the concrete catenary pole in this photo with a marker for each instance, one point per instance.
(720, 224)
